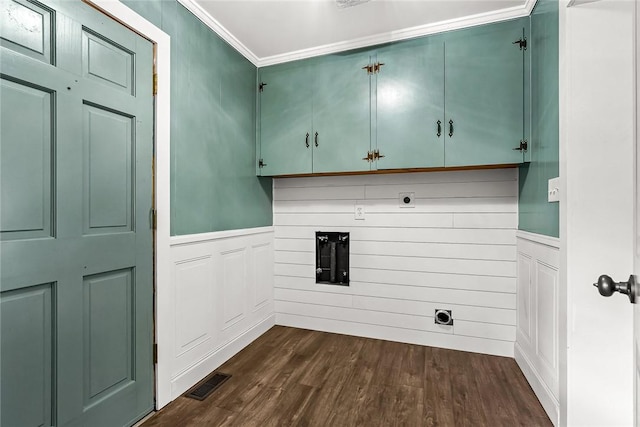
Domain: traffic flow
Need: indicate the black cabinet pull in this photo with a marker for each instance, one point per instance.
(439, 128)
(306, 140)
(316, 139)
(450, 128)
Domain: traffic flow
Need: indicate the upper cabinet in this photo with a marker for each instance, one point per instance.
(341, 113)
(451, 100)
(485, 95)
(315, 116)
(285, 120)
(409, 105)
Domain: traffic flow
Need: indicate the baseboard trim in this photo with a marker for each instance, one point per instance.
(544, 394)
(190, 376)
(389, 333)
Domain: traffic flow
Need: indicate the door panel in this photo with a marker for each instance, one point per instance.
(484, 95)
(26, 151)
(26, 328)
(107, 62)
(108, 170)
(77, 154)
(26, 28)
(108, 314)
(409, 104)
(285, 121)
(341, 113)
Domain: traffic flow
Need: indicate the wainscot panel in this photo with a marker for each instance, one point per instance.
(536, 349)
(222, 285)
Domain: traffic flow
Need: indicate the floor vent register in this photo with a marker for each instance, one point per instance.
(204, 388)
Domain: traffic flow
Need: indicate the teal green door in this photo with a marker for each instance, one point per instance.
(341, 113)
(484, 95)
(76, 289)
(409, 99)
(285, 120)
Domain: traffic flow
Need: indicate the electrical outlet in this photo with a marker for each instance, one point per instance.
(359, 212)
(406, 200)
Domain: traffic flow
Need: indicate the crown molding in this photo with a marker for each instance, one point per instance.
(405, 34)
(220, 30)
(579, 2)
(392, 36)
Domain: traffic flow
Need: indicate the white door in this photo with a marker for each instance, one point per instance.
(597, 107)
(636, 258)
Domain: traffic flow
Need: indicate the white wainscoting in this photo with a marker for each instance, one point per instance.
(456, 250)
(536, 349)
(222, 291)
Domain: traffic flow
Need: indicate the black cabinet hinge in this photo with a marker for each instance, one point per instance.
(155, 354)
(522, 43)
(523, 146)
(261, 163)
(261, 86)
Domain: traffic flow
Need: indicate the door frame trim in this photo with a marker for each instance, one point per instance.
(162, 131)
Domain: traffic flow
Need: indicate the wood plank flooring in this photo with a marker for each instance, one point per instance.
(296, 377)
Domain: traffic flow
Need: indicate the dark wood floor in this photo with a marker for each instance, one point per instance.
(298, 377)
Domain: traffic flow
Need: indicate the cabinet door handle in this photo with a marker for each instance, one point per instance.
(439, 128)
(306, 140)
(316, 139)
(450, 128)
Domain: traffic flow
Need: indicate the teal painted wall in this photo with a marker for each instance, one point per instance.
(213, 96)
(536, 215)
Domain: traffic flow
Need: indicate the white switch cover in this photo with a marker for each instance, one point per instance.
(359, 212)
(554, 190)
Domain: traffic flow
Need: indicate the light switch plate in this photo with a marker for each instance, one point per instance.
(554, 190)
(359, 212)
(407, 200)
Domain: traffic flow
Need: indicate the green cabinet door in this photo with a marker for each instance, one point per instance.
(76, 275)
(341, 113)
(285, 120)
(484, 95)
(409, 104)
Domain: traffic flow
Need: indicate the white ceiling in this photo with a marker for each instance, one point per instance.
(271, 31)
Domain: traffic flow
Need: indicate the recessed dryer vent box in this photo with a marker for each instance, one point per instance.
(332, 258)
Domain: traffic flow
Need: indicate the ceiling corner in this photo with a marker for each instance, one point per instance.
(220, 30)
(529, 5)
